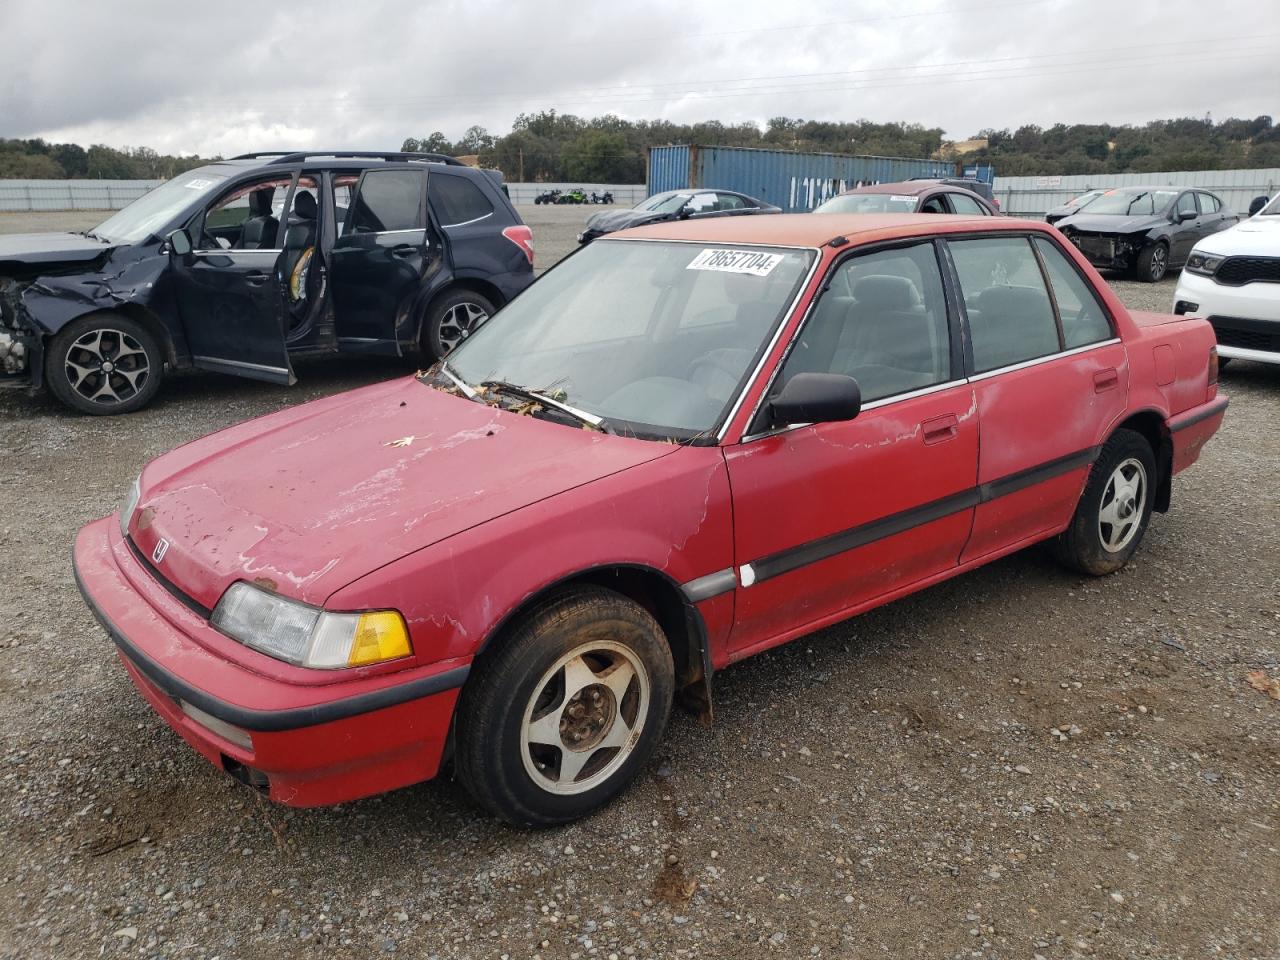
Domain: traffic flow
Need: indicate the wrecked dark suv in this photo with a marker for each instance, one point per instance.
(1145, 231)
(244, 264)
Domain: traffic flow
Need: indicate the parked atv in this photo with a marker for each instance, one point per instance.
(573, 196)
(548, 196)
(605, 197)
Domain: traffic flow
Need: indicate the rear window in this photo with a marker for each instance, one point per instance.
(457, 200)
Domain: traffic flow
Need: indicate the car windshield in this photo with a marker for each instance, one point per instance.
(665, 203)
(657, 338)
(1132, 203)
(869, 203)
(1084, 199)
(153, 211)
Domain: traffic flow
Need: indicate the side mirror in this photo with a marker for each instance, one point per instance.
(1185, 215)
(685, 212)
(179, 243)
(816, 398)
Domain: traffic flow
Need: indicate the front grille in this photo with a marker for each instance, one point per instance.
(1246, 334)
(1240, 270)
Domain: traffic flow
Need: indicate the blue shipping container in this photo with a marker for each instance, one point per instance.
(796, 182)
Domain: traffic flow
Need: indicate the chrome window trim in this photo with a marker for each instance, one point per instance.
(233, 252)
(467, 223)
(1035, 361)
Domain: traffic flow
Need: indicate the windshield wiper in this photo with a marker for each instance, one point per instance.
(457, 380)
(502, 386)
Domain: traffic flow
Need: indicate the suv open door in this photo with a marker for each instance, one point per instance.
(380, 256)
(232, 293)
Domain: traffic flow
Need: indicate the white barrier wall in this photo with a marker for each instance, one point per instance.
(114, 194)
(1035, 196)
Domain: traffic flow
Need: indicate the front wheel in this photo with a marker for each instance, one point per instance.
(453, 318)
(1114, 509)
(1153, 263)
(104, 363)
(566, 714)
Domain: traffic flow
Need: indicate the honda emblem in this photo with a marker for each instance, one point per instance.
(162, 547)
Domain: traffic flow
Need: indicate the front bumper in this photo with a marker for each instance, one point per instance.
(1106, 251)
(305, 745)
(1245, 319)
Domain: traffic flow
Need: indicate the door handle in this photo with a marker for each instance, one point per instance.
(255, 279)
(404, 250)
(1105, 380)
(939, 429)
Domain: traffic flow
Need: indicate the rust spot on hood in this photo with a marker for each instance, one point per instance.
(266, 583)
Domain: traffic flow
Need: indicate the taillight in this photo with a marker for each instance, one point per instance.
(1213, 365)
(522, 237)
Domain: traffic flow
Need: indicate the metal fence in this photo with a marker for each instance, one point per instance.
(1035, 196)
(114, 194)
(72, 194)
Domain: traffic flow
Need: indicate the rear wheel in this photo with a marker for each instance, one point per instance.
(566, 714)
(104, 363)
(453, 318)
(1153, 263)
(1114, 509)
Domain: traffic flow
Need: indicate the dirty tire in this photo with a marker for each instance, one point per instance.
(516, 701)
(1223, 361)
(452, 318)
(1083, 545)
(1152, 263)
(103, 364)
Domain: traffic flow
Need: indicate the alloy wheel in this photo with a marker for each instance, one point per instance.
(1159, 262)
(459, 322)
(1124, 501)
(106, 366)
(585, 717)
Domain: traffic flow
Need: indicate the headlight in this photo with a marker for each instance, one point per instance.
(301, 634)
(130, 504)
(1205, 264)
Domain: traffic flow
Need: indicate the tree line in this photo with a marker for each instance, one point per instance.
(555, 147)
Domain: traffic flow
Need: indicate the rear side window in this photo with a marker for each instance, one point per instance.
(1083, 319)
(457, 200)
(1010, 314)
(962, 204)
(387, 200)
(1208, 203)
(882, 321)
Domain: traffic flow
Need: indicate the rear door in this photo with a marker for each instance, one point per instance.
(1049, 376)
(232, 300)
(380, 256)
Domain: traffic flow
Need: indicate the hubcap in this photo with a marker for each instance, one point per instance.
(585, 717)
(459, 322)
(1123, 501)
(106, 366)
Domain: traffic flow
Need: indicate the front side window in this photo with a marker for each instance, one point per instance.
(1010, 314)
(659, 338)
(1083, 319)
(883, 321)
(247, 218)
(1187, 204)
(457, 200)
(387, 200)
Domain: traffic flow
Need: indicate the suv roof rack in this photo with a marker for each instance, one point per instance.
(283, 156)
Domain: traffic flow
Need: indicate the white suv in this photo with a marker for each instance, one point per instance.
(1232, 279)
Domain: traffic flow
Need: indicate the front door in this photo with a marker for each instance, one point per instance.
(828, 517)
(230, 292)
(1185, 233)
(380, 256)
(1050, 379)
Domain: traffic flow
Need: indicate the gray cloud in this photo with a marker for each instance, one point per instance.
(228, 78)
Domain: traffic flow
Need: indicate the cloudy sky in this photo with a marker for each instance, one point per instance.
(231, 77)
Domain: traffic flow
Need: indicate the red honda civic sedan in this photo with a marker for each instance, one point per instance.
(684, 445)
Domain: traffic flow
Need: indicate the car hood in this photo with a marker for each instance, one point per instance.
(39, 248)
(1107, 223)
(309, 499)
(611, 220)
(1256, 237)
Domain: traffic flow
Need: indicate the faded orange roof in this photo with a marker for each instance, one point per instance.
(815, 229)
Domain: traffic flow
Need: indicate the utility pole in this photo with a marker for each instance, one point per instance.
(521, 152)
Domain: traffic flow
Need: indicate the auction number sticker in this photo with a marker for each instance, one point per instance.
(736, 261)
(199, 184)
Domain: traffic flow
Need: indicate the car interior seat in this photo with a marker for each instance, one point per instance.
(260, 230)
(890, 341)
(1006, 323)
(299, 246)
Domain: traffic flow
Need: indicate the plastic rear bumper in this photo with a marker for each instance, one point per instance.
(1192, 429)
(306, 746)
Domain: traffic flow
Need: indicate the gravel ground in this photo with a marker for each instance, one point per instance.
(889, 787)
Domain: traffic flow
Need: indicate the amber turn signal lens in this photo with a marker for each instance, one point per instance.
(378, 637)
